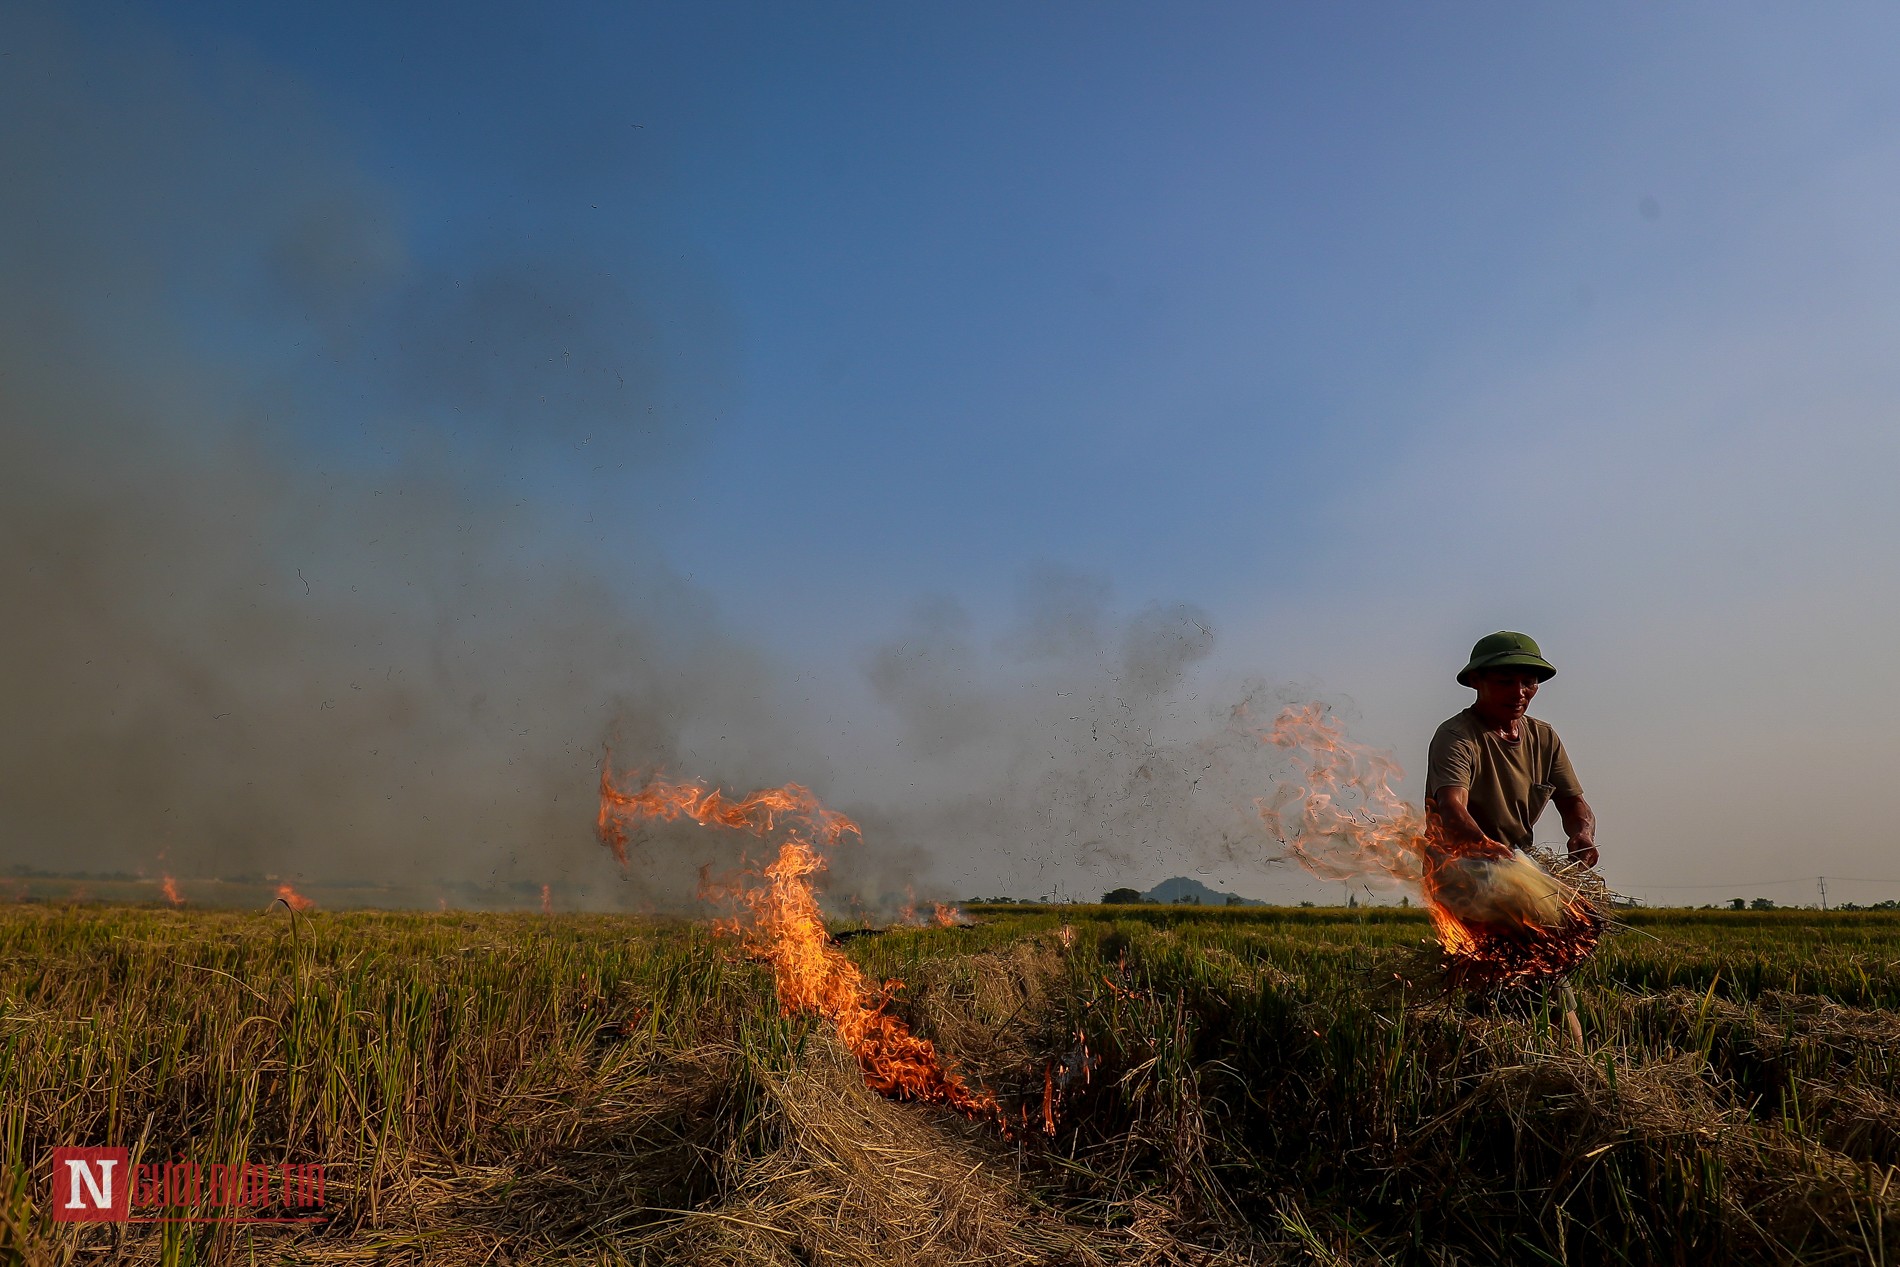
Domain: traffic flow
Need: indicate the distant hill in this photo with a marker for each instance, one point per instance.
(1175, 888)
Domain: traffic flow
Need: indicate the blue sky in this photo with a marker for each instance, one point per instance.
(1053, 278)
(1366, 329)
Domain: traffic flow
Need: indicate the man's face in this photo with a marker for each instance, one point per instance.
(1504, 694)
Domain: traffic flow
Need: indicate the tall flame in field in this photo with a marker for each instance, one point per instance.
(169, 887)
(293, 899)
(1498, 919)
(782, 924)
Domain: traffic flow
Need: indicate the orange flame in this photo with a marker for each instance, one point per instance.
(758, 813)
(783, 925)
(1343, 820)
(547, 901)
(946, 915)
(293, 899)
(169, 887)
(1350, 821)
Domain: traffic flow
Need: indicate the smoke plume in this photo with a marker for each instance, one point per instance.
(1081, 747)
(324, 552)
(286, 506)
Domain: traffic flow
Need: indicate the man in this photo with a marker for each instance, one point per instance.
(1492, 769)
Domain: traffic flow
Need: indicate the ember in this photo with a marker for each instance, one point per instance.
(1499, 920)
(782, 924)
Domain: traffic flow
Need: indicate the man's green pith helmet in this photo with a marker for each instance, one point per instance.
(1504, 650)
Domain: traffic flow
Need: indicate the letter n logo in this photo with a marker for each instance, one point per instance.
(90, 1185)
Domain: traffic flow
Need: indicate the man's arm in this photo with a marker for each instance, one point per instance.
(1463, 837)
(1580, 824)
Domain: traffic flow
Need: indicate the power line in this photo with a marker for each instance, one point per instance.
(1763, 884)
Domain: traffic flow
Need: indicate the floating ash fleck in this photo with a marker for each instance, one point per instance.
(780, 921)
(1499, 921)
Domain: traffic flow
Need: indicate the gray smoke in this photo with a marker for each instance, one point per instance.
(287, 514)
(1079, 747)
(323, 558)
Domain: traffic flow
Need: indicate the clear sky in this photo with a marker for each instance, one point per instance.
(1364, 329)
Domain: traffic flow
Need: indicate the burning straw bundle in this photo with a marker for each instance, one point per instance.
(1514, 921)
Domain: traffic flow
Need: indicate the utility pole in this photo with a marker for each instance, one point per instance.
(1822, 881)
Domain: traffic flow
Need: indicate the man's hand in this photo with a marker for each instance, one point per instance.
(1462, 837)
(1581, 826)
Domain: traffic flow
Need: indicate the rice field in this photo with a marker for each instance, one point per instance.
(1187, 1085)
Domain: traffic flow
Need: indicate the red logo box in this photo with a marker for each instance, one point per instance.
(91, 1185)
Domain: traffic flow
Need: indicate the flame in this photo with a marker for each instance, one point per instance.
(293, 899)
(169, 887)
(782, 924)
(547, 901)
(945, 915)
(1350, 822)
(1497, 920)
(758, 813)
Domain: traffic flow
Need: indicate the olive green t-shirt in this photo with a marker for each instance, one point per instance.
(1509, 783)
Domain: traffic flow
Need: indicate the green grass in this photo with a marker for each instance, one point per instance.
(1283, 1084)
